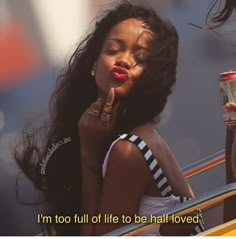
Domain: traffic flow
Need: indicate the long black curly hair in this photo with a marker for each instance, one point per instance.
(76, 90)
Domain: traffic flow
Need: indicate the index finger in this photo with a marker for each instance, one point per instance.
(109, 101)
(110, 97)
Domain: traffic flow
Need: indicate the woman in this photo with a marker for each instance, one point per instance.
(219, 19)
(117, 81)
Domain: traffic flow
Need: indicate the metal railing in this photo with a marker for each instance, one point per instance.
(204, 164)
(204, 201)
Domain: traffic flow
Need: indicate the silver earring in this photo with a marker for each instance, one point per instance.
(93, 72)
(93, 69)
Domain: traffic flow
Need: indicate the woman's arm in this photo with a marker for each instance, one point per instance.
(94, 132)
(91, 183)
(173, 173)
(125, 181)
(128, 178)
(180, 187)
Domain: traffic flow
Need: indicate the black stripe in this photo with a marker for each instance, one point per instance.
(194, 232)
(168, 194)
(154, 171)
(201, 225)
(185, 199)
(126, 137)
(144, 150)
(160, 177)
(137, 141)
(150, 159)
(164, 186)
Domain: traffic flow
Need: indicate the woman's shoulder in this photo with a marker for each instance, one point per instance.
(125, 149)
(125, 152)
(128, 147)
(126, 159)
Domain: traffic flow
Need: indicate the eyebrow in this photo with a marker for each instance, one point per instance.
(121, 42)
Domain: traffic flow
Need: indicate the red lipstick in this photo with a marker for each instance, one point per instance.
(120, 73)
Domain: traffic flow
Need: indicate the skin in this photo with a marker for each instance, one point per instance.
(128, 48)
(127, 177)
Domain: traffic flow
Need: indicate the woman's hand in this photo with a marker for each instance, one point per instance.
(231, 106)
(97, 124)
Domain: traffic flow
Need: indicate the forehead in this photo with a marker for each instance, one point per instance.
(132, 30)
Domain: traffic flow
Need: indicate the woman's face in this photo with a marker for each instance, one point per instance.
(123, 57)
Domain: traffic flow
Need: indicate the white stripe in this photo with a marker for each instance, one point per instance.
(141, 145)
(197, 229)
(164, 180)
(148, 154)
(184, 199)
(133, 138)
(123, 136)
(166, 190)
(153, 164)
(157, 173)
(201, 223)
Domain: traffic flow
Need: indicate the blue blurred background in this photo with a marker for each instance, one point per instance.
(36, 40)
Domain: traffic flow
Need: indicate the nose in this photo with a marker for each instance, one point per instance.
(123, 61)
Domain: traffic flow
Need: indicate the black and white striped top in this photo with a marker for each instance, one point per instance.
(157, 173)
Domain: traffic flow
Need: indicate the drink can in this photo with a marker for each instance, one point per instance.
(228, 94)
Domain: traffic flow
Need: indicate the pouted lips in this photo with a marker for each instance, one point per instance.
(119, 73)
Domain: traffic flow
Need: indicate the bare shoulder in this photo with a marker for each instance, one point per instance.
(125, 152)
(129, 152)
(126, 160)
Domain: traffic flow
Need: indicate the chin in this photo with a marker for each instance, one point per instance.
(121, 93)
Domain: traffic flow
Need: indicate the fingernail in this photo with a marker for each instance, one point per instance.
(111, 90)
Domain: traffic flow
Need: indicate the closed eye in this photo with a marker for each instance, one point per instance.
(114, 45)
(112, 50)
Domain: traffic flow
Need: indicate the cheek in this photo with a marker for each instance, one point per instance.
(103, 65)
(138, 72)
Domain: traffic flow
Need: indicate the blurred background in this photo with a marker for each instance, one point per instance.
(36, 40)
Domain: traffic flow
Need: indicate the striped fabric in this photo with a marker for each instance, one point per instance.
(158, 175)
